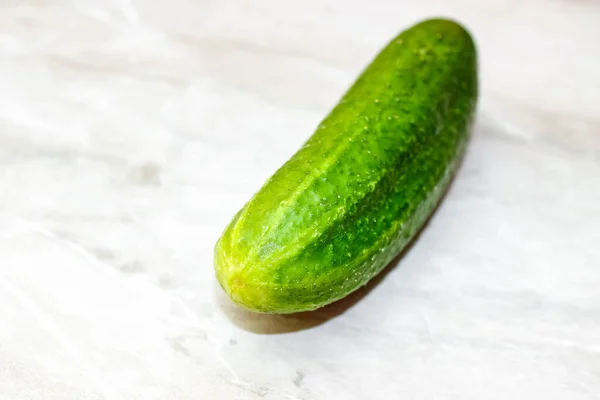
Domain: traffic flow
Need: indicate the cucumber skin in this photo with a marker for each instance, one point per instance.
(351, 199)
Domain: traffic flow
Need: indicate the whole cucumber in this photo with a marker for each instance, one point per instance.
(362, 186)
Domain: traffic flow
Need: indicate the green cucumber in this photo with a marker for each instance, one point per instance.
(351, 199)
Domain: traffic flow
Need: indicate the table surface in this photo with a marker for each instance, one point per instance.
(132, 130)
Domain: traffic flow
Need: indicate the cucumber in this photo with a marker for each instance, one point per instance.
(361, 187)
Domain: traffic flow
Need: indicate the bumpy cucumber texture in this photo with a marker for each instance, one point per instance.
(361, 187)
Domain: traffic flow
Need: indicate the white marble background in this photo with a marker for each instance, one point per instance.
(132, 130)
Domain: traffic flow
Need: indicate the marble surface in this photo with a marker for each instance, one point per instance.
(132, 130)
